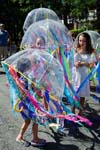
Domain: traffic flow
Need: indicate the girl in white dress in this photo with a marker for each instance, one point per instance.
(84, 58)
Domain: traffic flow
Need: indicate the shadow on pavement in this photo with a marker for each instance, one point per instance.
(94, 130)
(88, 134)
(58, 146)
(94, 117)
(2, 72)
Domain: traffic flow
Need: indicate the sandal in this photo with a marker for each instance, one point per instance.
(41, 142)
(24, 142)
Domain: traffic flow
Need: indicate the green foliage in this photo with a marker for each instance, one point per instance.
(75, 32)
(13, 12)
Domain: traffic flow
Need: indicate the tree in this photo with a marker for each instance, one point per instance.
(13, 12)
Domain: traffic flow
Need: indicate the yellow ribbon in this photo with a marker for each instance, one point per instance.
(15, 107)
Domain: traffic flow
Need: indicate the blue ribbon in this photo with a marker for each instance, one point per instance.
(88, 77)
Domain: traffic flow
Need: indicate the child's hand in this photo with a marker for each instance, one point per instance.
(80, 64)
(85, 64)
(77, 64)
(91, 65)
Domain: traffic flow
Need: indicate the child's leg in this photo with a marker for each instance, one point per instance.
(58, 122)
(36, 140)
(35, 132)
(82, 101)
(5, 50)
(73, 109)
(45, 103)
(23, 129)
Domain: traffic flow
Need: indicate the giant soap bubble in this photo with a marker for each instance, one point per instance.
(36, 81)
(98, 44)
(43, 69)
(39, 14)
(98, 47)
(52, 32)
(93, 35)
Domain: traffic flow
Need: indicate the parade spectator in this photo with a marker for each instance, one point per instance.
(12, 48)
(4, 40)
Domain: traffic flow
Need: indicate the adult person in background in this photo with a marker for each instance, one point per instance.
(12, 47)
(4, 40)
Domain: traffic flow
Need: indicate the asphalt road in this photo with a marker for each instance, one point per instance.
(78, 139)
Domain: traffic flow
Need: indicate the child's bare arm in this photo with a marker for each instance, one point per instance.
(80, 63)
